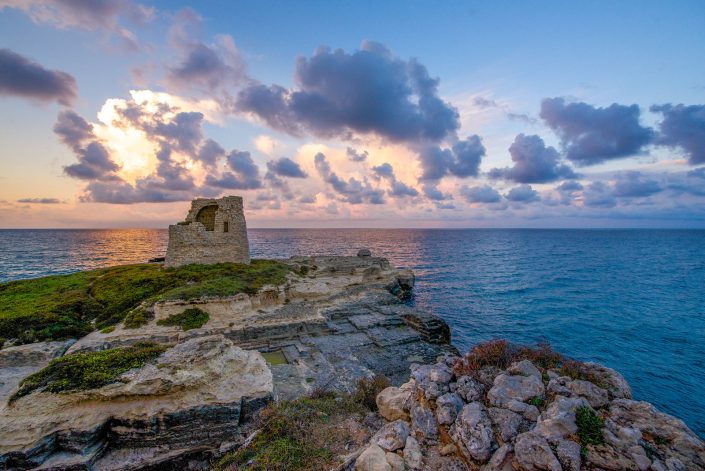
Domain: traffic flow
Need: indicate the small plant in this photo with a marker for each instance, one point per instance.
(537, 401)
(137, 318)
(368, 389)
(578, 370)
(107, 330)
(589, 428)
(191, 318)
(81, 371)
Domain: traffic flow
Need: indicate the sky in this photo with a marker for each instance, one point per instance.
(116, 113)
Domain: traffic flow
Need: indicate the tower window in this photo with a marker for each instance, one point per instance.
(225, 226)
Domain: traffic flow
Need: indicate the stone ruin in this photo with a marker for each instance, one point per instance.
(214, 232)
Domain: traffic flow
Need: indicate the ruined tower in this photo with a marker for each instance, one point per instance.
(214, 232)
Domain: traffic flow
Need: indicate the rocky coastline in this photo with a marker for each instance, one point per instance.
(330, 325)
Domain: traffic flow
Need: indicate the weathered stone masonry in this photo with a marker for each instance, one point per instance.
(214, 232)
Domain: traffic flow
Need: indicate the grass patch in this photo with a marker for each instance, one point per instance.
(91, 370)
(191, 318)
(137, 318)
(589, 428)
(65, 306)
(304, 434)
(107, 330)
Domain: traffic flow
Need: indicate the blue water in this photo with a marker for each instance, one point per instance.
(631, 299)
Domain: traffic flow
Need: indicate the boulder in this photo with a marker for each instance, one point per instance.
(508, 388)
(393, 403)
(423, 423)
(395, 461)
(606, 458)
(524, 368)
(595, 395)
(447, 408)
(617, 387)
(473, 430)
(373, 458)
(568, 453)
(558, 420)
(506, 422)
(469, 389)
(532, 453)
(393, 435)
(501, 459)
(412, 454)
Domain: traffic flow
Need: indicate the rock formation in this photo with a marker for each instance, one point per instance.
(214, 231)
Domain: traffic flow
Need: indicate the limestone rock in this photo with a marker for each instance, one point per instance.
(559, 385)
(473, 429)
(607, 458)
(423, 423)
(448, 449)
(393, 435)
(469, 388)
(532, 453)
(506, 422)
(501, 459)
(373, 458)
(617, 386)
(447, 408)
(412, 454)
(514, 388)
(596, 396)
(395, 461)
(393, 403)
(195, 396)
(568, 453)
(558, 420)
(524, 368)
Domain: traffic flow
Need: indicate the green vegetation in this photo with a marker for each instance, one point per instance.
(191, 318)
(107, 330)
(536, 401)
(137, 318)
(60, 307)
(90, 370)
(304, 434)
(589, 428)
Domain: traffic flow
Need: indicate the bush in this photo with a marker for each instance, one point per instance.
(501, 354)
(589, 427)
(137, 318)
(81, 371)
(368, 389)
(579, 370)
(191, 318)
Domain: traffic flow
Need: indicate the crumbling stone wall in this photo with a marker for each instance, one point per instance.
(214, 232)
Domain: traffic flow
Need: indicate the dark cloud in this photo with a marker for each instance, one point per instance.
(698, 172)
(22, 77)
(353, 191)
(533, 162)
(433, 193)
(308, 199)
(599, 195)
(524, 118)
(367, 91)
(480, 194)
(462, 160)
(285, 167)
(203, 67)
(73, 130)
(634, 184)
(591, 135)
(244, 176)
(40, 200)
(482, 102)
(397, 189)
(91, 15)
(569, 186)
(683, 127)
(209, 153)
(523, 194)
(356, 156)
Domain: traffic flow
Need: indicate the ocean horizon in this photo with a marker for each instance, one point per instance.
(631, 299)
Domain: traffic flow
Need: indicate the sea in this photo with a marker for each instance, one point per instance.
(633, 300)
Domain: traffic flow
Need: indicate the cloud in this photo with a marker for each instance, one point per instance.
(634, 184)
(599, 195)
(206, 68)
(521, 117)
(683, 127)
(285, 167)
(592, 135)
(22, 77)
(433, 193)
(353, 191)
(461, 160)
(90, 15)
(482, 102)
(533, 162)
(244, 175)
(569, 186)
(40, 200)
(480, 194)
(398, 189)
(209, 153)
(368, 91)
(523, 194)
(356, 156)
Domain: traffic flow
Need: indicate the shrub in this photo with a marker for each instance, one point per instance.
(589, 427)
(579, 370)
(137, 318)
(81, 371)
(108, 329)
(368, 389)
(191, 318)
